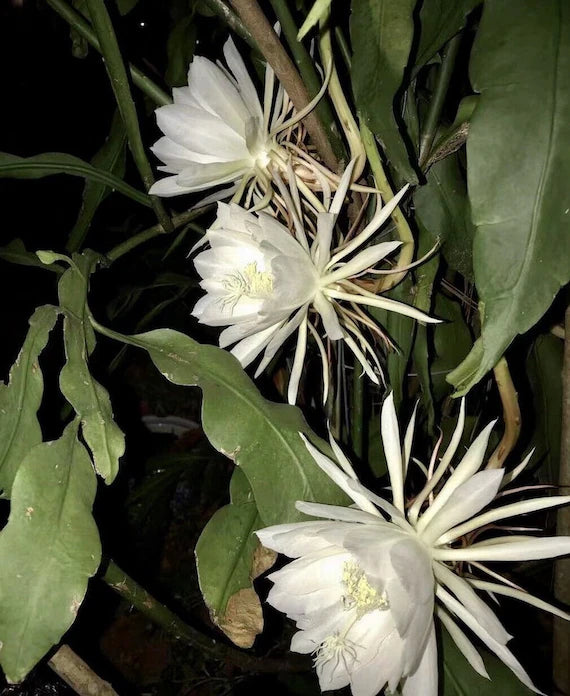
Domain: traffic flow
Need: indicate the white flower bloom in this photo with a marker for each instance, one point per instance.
(262, 282)
(368, 579)
(214, 132)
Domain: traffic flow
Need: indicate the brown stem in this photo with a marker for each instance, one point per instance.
(273, 51)
(78, 675)
(561, 636)
(511, 415)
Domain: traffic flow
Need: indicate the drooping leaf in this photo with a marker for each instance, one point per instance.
(89, 398)
(442, 209)
(440, 20)
(16, 252)
(21, 398)
(519, 194)
(180, 51)
(111, 157)
(50, 163)
(228, 558)
(382, 32)
(260, 436)
(48, 551)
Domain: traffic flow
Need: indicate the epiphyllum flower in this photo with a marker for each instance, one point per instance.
(262, 282)
(367, 580)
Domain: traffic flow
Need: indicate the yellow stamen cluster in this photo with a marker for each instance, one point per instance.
(249, 282)
(359, 592)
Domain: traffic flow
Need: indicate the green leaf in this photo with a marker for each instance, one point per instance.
(48, 551)
(180, 51)
(89, 399)
(319, 9)
(21, 398)
(51, 163)
(260, 436)
(440, 20)
(111, 158)
(125, 6)
(518, 169)
(382, 32)
(544, 370)
(16, 252)
(460, 679)
(226, 564)
(442, 209)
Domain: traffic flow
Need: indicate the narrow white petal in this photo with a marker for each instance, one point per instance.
(249, 348)
(328, 315)
(472, 603)
(463, 643)
(324, 361)
(467, 500)
(393, 450)
(441, 468)
(198, 177)
(245, 84)
(470, 463)
(367, 258)
(521, 595)
(424, 680)
(296, 538)
(286, 329)
(500, 650)
(408, 439)
(384, 505)
(321, 247)
(341, 458)
(342, 188)
(168, 187)
(506, 549)
(298, 363)
(366, 366)
(511, 475)
(337, 512)
(501, 513)
(383, 303)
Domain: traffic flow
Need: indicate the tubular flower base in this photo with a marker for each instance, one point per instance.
(262, 282)
(368, 579)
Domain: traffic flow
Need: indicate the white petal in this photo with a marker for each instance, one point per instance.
(176, 156)
(393, 450)
(500, 650)
(508, 550)
(321, 248)
(336, 512)
(245, 85)
(521, 595)
(408, 439)
(367, 258)
(286, 329)
(329, 317)
(467, 500)
(383, 302)
(249, 348)
(463, 643)
(298, 362)
(198, 177)
(424, 680)
(470, 463)
(168, 187)
(295, 539)
(342, 188)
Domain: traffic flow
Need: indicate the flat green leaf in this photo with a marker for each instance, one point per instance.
(180, 51)
(440, 20)
(89, 398)
(226, 564)
(21, 398)
(51, 163)
(16, 252)
(442, 209)
(48, 551)
(111, 158)
(382, 32)
(260, 436)
(518, 171)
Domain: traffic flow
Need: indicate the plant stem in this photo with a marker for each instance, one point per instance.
(232, 20)
(307, 69)
(78, 675)
(511, 415)
(130, 590)
(402, 227)
(438, 98)
(561, 635)
(286, 73)
(83, 28)
(154, 231)
(121, 88)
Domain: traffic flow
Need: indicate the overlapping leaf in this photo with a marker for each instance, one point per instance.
(518, 171)
(21, 398)
(48, 551)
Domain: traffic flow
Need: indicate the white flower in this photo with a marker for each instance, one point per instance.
(368, 579)
(215, 132)
(262, 282)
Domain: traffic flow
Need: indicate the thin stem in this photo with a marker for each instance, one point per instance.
(438, 98)
(148, 605)
(561, 637)
(343, 47)
(402, 227)
(286, 73)
(78, 675)
(83, 28)
(121, 88)
(511, 415)
(233, 21)
(307, 69)
(154, 231)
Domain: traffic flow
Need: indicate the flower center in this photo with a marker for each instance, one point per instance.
(360, 594)
(249, 282)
